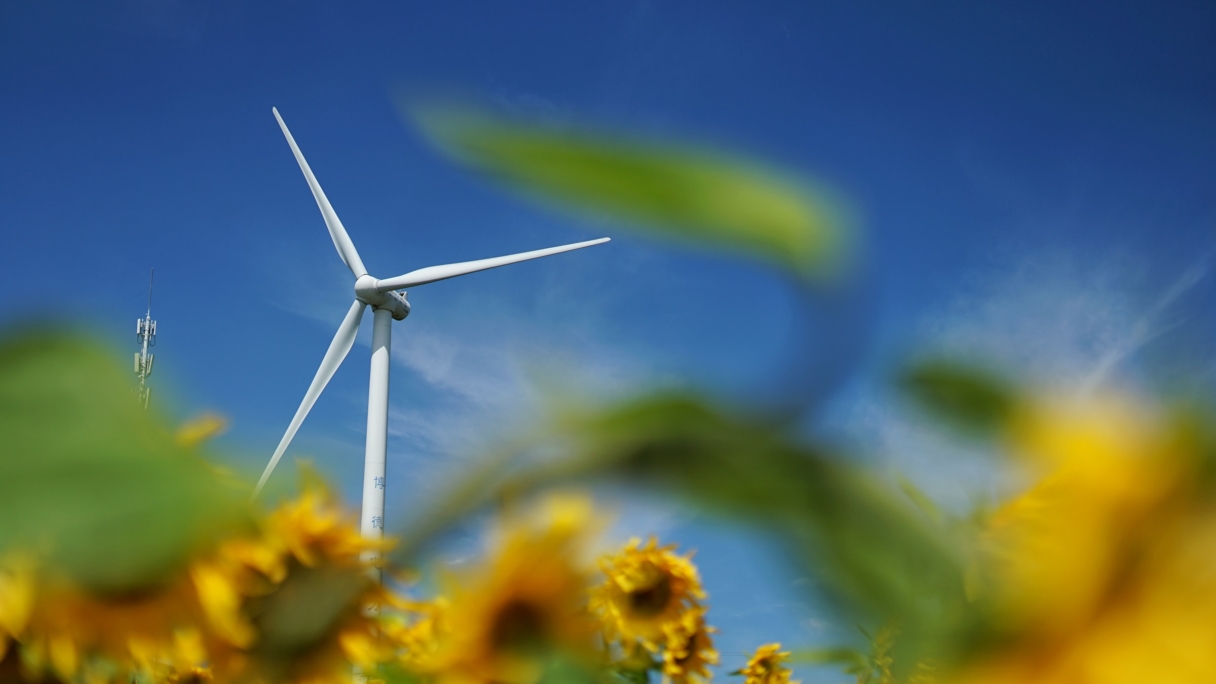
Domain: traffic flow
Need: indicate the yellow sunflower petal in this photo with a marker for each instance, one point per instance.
(647, 591)
(65, 659)
(765, 666)
(527, 599)
(689, 650)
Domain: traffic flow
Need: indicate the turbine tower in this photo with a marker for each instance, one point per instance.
(388, 304)
(145, 332)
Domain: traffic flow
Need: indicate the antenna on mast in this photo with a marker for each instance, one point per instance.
(145, 333)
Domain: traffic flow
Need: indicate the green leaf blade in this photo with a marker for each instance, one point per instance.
(970, 398)
(685, 193)
(90, 478)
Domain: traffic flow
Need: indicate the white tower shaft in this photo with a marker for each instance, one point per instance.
(375, 455)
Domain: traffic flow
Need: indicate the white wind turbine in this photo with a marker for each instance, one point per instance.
(388, 305)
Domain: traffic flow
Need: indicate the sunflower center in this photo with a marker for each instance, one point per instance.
(519, 626)
(651, 600)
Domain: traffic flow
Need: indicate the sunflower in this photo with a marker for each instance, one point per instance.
(1109, 474)
(765, 667)
(524, 603)
(1103, 570)
(414, 629)
(69, 632)
(689, 650)
(288, 602)
(647, 592)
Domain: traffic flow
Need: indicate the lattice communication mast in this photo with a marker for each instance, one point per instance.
(145, 332)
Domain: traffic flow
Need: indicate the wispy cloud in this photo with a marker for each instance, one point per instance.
(1061, 322)
(1150, 325)
(478, 373)
(479, 388)
(1048, 316)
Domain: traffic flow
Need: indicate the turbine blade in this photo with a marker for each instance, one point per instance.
(337, 233)
(432, 273)
(343, 340)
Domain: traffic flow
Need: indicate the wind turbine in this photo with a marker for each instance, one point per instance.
(388, 304)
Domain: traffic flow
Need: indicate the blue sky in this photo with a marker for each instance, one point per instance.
(1036, 182)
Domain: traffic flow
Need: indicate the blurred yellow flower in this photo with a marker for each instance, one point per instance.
(182, 660)
(415, 630)
(1104, 571)
(765, 666)
(525, 603)
(289, 601)
(689, 650)
(70, 632)
(16, 598)
(647, 592)
(194, 675)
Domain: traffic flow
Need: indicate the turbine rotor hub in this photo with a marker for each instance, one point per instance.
(392, 301)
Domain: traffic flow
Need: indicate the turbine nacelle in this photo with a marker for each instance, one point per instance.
(367, 291)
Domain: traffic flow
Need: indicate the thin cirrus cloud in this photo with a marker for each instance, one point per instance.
(1069, 322)
(470, 375)
(1066, 324)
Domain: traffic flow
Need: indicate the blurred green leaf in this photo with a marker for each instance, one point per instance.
(849, 529)
(393, 673)
(920, 499)
(305, 609)
(630, 675)
(850, 660)
(90, 478)
(563, 669)
(971, 399)
(681, 192)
